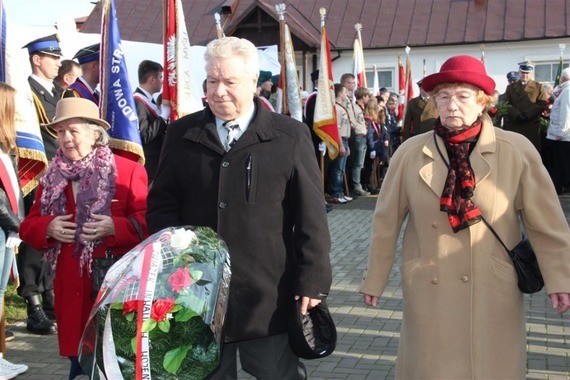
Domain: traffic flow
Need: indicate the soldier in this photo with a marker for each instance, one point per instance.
(527, 100)
(36, 276)
(421, 115)
(85, 86)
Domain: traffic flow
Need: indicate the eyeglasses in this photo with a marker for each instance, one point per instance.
(461, 97)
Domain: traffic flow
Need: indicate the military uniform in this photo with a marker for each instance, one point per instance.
(420, 117)
(81, 88)
(36, 276)
(526, 104)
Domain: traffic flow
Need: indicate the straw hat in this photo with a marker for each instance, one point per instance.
(461, 69)
(71, 108)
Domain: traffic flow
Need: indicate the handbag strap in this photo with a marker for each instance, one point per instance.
(482, 216)
(495, 233)
(137, 227)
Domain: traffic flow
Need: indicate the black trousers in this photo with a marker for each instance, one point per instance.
(265, 358)
(559, 167)
(36, 275)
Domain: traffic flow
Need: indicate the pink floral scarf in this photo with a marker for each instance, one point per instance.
(97, 175)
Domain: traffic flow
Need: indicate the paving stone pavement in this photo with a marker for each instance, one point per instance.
(367, 338)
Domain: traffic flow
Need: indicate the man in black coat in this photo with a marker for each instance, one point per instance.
(260, 190)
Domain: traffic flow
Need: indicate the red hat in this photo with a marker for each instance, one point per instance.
(461, 69)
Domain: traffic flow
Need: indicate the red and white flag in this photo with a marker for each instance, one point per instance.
(288, 90)
(358, 59)
(324, 122)
(177, 88)
(402, 88)
(376, 84)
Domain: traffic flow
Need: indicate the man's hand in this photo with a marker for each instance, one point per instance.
(307, 303)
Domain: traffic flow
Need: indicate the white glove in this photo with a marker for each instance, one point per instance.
(322, 148)
(372, 154)
(165, 112)
(13, 240)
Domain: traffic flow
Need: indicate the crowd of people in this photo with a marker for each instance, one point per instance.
(442, 150)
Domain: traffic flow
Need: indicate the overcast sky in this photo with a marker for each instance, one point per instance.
(45, 12)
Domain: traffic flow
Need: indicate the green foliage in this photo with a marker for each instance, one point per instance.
(15, 307)
(502, 108)
(182, 345)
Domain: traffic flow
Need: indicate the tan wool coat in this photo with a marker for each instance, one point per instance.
(463, 315)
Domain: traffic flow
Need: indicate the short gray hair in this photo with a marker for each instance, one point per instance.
(228, 47)
(565, 73)
(103, 139)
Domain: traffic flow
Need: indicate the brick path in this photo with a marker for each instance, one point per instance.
(367, 338)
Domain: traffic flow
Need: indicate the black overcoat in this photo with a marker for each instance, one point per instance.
(264, 198)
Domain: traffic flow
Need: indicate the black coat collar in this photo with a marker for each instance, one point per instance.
(260, 129)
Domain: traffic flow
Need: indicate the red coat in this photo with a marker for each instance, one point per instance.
(72, 290)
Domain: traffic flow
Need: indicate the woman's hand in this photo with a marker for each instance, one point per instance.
(371, 300)
(560, 302)
(62, 229)
(98, 228)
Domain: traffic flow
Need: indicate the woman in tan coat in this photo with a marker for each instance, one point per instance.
(463, 312)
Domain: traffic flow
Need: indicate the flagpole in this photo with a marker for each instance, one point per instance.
(219, 30)
(323, 15)
(562, 47)
(280, 8)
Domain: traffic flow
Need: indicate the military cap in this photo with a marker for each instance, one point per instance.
(513, 75)
(47, 45)
(88, 54)
(526, 67)
(419, 83)
(264, 76)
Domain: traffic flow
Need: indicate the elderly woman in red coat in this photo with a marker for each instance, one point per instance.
(82, 208)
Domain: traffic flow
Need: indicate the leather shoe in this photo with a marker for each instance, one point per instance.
(38, 322)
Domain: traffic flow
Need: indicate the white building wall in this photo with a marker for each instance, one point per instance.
(500, 58)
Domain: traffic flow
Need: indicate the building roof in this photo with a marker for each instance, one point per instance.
(385, 23)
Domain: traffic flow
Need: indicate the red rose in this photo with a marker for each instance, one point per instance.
(160, 308)
(130, 306)
(180, 279)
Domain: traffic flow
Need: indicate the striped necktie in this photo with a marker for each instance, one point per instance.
(233, 128)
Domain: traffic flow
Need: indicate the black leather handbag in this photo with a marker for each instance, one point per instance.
(524, 260)
(100, 266)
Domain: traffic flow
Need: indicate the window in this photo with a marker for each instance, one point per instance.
(546, 72)
(385, 78)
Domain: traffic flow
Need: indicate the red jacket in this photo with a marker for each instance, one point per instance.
(73, 301)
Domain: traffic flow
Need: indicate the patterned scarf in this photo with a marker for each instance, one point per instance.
(460, 183)
(97, 175)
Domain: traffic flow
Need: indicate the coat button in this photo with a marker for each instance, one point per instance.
(434, 225)
(435, 281)
(464, 279)
(222, 205)
(225, 164)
